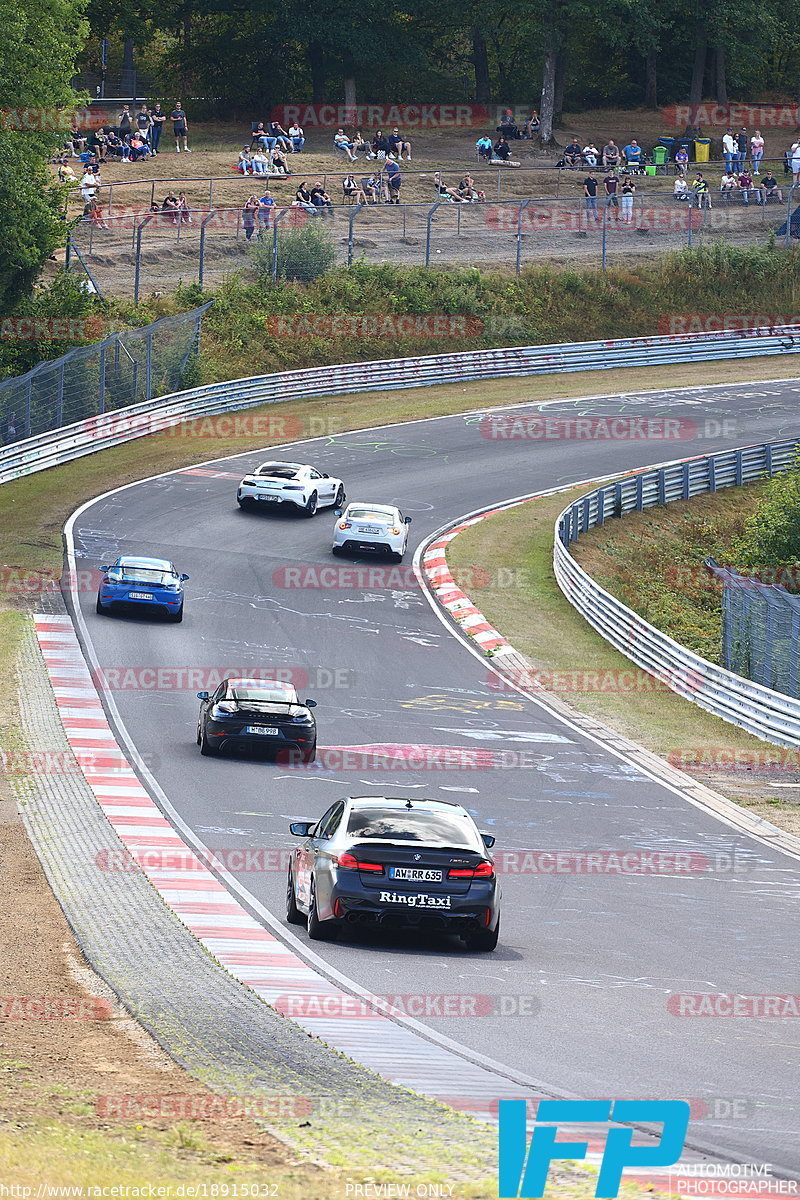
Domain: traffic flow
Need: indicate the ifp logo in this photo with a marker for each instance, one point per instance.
(523, 1170)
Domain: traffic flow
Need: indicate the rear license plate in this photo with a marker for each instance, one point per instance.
(419, 901)
(140, 595)
(415, 873)
(368, 529)
(272, 499)
(262, 730)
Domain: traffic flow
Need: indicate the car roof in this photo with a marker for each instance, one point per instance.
(275, 685)
(401, 804)
(152, 564)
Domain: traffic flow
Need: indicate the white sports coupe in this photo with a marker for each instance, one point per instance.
(277, 484)
(368, 528)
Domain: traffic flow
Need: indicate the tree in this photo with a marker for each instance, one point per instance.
(40, 42)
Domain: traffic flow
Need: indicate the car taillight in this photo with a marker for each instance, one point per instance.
(484, 870)
(293, 487)
(344, 524)
(352, 863)
(395, 531)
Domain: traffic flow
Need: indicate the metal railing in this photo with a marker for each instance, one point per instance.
(767, 714)
(760, 629)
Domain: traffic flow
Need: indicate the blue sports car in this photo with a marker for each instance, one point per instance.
(132, 583)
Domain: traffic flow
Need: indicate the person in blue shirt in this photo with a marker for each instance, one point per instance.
(633, 154)
(394, 181)
(265, 206)
(484, 147)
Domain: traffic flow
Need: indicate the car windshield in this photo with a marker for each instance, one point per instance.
(371, 514)
(278, 471)
(132, 574)
(412, 825)
(275, 694)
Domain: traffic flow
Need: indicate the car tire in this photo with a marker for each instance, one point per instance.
(311, 506)
(318, 931)
(98, 607)
(293, 914)
(483, 939)
(206, 748)
(398, 556)
(176, 617)
(337, 551)
(246, 503)
(308, 756)
(340, 497)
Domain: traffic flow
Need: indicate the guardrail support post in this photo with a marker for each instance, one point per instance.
(738, 464)
(431, 211)
(101, 397)
(350, 220)
(138, 266)
(686, 481)
(201, 255)
(605, 232)
(148, 365)
(28, 407)
(60, 396)
(523, 204)
(68, 253)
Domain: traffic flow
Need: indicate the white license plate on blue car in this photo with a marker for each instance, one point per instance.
(140, 595)
(262, 730)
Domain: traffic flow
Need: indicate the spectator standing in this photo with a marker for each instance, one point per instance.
(157, 118)
(11, 427)
(590, 192)
(89, 184)
(741, 147)
(611, 185)
(628, 191)
(249, 213)
(296, 137)
(756, 151)
(794, 158)
(611, 155)
(144, 123)
(265, 207)
(124, 123)
(180, 127)
(730, 151)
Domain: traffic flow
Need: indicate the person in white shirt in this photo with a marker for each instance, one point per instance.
(795, 153)
(89, 185)
(259, 162)
(727, 186)
(591, 155)
(296, 137)
(681, 188)
(730, 150)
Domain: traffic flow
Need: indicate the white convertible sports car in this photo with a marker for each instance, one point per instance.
(283, 483)
(370, 528)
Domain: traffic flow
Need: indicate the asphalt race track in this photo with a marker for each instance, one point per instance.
(597, 956)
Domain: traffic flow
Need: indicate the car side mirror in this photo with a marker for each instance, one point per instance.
(338, 512)
(184, 578)
(407, 520)
(310, 703)
(301, 828)
(325, 475)
(202, 695)
(488, 840)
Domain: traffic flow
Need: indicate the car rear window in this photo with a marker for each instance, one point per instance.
(141, 575)
(370, 514)
(407, 825)
(278, 471)
(275, 695)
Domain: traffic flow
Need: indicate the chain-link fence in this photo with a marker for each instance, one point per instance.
(133, 254)
(760, 630)
(123, 369)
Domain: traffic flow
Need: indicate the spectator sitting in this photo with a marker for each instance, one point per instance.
(590, 154)
(350, 188)
(745, 182)
(701, 192)
(260, 161)
(296, 137)
(169, 205)
(280, 135)
(443, 191)
(98, 142)
(245, 163)
(633, 156)
(360, 145)
(727, 184)
(572, 153)
(280, 166)
(380, 145)
(261, 135)
(611, 155)
(467, 190)
(532, 124)
(484, 147)
(139, 147)
(394, 181)
(372, 188)
(114, 146)
(501, 149)
(681, 189)
(769, 187)
(319, 197)
(183, 209)
(398, 146)
(67, 175)
(681, 159)
(507, 125)
(303, 197)
(342, 142)
(76, 141)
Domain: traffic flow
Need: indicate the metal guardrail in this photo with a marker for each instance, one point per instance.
(767, 714)
(137, 420)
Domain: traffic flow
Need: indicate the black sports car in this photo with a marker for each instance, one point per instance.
(394, 862)
(260, 713)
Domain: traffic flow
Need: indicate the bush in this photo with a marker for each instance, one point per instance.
(772, 534)
(303, 254)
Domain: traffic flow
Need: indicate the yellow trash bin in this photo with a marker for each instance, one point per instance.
(702, 148)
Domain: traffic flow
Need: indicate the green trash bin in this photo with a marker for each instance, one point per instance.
(702, 148)
(659, 155)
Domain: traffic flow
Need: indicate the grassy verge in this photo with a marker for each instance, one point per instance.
(584, 670)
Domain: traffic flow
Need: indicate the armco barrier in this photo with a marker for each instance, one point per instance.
(98, 433)
(770, 715)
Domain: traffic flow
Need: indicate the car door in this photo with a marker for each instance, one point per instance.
(207, 705)
(306, 854)
(325, 487)
(324, 856)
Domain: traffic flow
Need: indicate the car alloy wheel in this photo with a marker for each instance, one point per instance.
(293, 914)
(318, 931)
(311, 506)
(340, 497)
(205, 746)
